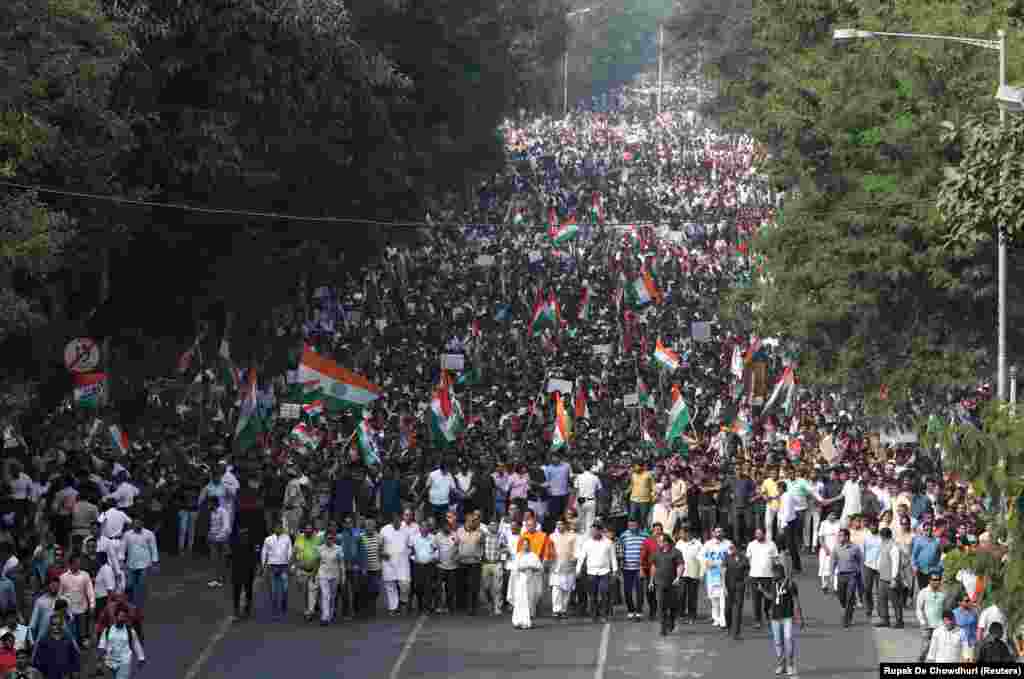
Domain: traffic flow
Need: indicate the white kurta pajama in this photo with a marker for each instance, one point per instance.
(529, 585)
(828, 535)
(396, 573)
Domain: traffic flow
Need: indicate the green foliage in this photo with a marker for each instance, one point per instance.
(993, 458)
(857, 133)
(986, 193)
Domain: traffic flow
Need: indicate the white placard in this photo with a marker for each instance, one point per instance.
(291, 411)
(485, 260)
(454, 362)
(602, 350)
(631, 400)
(563, 386)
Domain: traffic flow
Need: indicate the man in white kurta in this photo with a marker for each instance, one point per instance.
(563, 573)
(396, 573)
(828, 538)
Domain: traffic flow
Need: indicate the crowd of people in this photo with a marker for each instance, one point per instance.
(494, 521)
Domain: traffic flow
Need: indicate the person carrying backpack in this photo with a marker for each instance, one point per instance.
(119, 646)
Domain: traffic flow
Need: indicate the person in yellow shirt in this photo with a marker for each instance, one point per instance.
(769, 490)
(641, 494)
(306, 564)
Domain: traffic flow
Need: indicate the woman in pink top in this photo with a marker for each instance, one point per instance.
(519, 487)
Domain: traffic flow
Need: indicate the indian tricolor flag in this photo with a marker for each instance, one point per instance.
(643, 394)
(313, 409)
(90, 390)
(678, 416)
(445, 412)
(563, 425)
(305, 436)
(119, 439)
(566, 232)
(368, 443)
(785, 386)
(543, 314)
(597, 207)
(249, 427)
(665, 357)
(340, 389)
(643, 290)
(584, 312)
(580, 405)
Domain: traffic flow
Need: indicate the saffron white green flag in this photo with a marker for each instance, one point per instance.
(340, 389)
(678, 416)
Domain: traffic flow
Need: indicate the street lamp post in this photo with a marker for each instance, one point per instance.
(1013, 387)
(997, 45)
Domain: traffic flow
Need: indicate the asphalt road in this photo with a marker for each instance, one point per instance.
(189, 635)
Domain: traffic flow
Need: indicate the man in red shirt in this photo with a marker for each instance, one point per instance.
(649, 548)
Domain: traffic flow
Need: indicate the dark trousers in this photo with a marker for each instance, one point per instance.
(889, 595)
(632, 586)
(687, 602)
(600, 595)
(847, 592)
(448, 580)
(557, 505)
(652, 599)
(469, 587)
(742, 524)
(734, 608)
(666, 597)
(870, 580)
(580, 594)
(242, 577)
(424, 579)
(370, 592)
(794, 534)
(762, 602)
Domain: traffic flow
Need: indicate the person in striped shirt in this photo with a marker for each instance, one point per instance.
(632, 546)
(371, 545)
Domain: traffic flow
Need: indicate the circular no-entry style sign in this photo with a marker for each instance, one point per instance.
(81, 355)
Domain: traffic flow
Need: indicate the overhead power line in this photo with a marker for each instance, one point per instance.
(259, 214)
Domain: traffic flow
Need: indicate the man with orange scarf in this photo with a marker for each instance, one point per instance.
(530, 579)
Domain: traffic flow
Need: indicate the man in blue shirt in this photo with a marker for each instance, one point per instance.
(556, 479)
(925, 556)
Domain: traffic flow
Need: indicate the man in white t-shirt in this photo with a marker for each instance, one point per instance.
(763, 554)
(587, 486)
(988, 616)
(113, 521)
(440, 484)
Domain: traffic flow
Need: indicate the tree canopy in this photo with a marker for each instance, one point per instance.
(859, 136)
(217, 116)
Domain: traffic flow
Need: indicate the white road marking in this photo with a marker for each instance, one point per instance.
(602, 651)
(204, 657)
(407, 648)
